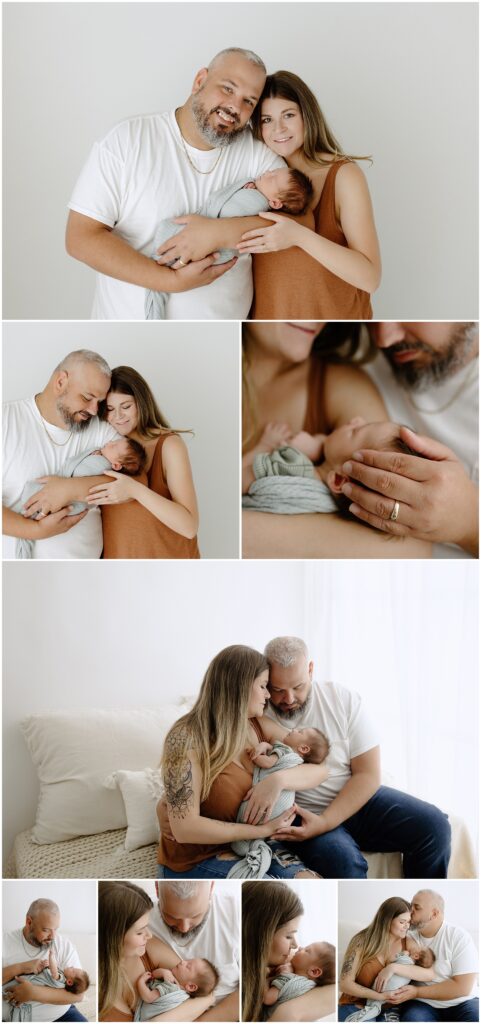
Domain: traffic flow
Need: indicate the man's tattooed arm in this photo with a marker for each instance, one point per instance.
(178, 773)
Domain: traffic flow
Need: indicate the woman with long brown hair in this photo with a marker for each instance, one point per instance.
(154, 517)
(329, 265)
(207, 772)
(123, 928)
(369, 951)
(271, 912)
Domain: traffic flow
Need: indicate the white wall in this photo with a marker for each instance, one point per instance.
(395, 80)
(77, 902)
(193, 370)
(319, 921)
(358, 902)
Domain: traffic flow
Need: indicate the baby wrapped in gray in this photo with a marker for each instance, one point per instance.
(170, 996)
(84, 464)
(290, 986)
(373, 1007)
(232, 201)
(256, 853)
(286, 482)
(24, 1011)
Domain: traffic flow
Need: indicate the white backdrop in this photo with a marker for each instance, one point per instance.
(403, 635)
(193, 370)
(77, 902)
(395, 80)
(359, 903)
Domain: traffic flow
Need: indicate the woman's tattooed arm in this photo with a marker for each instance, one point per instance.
(349, 959)
(178, 773)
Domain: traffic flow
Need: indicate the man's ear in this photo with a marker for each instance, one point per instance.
(60, 382)
(314, 972)
(191, 986)
(335, 481)
(275, 204)
(199, 79)
(311, 669)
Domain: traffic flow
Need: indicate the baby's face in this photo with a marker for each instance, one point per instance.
(298, 738)
(307, 957)
(115, 451)
(341, 444)
(272, 184)
(187, 972)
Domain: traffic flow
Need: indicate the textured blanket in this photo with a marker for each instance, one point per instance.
(286, 483)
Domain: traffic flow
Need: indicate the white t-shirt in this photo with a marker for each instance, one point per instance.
(16, 950)
(337, 712)
(138, 175)
(217, 940)
(455, 426)
(455, 954)
(29, 453)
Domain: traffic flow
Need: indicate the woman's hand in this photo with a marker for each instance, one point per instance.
(123, 489)
(284, 233)
(437, 500)
(261, 800)
(383, 977)
(197, 240)
(282, 821)
(312, 825)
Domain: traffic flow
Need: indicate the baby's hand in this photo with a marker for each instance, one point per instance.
(261, 748)
(311, 445)
(275, 435)
(166, 975)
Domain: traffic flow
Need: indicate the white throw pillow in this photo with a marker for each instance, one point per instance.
(74, 752)
(141, 792)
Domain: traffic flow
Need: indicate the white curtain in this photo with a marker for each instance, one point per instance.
(404, 635)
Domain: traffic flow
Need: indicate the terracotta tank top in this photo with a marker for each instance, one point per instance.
(131, 531)
(222, 803)
(291, 285)
(112, 1014)
(367, 975)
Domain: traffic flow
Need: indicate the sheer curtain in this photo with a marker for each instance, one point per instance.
(404, 635)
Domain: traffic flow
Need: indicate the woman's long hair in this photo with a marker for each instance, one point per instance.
(217, 726)
(151, 421)
(337, 342)
(121, 904)
(318, 137)
(266, 907)
(375, 939)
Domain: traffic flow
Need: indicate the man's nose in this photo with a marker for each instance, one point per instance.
(387, 334)
(290, 697)
(184, 926)
(92, 406)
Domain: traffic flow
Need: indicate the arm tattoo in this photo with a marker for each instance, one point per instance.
(349, 960)
(178, 773)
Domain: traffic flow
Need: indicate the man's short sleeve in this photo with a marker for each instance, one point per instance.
(465, 957)
(66, 953)
(263, 159)
(100, 187)
(360, 730)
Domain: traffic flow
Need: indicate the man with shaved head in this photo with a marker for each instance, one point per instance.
(449, 997)
(25, 950)
(161, 166)
(197, 918)
(39, 434)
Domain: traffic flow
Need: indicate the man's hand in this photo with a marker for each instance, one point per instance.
(401, 994)
(261, 800)
(199, 274)
(198, 239)
(34, 966)
(383, 976)
(51, 498)
(58, 522)
(24, 992)
(312, 825)
(437, 500)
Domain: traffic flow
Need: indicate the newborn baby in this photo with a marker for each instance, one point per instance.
(310, 966)
(285, 189)
(162, 990)
(71, 978)
(311, 745)
(123, 456)
(413, 956)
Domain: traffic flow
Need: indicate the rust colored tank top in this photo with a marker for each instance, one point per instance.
(314, 420)
(131, 531)
(112, 1014)
(222, 803)
(291, 285)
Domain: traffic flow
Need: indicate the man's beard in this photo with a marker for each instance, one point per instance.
(214, 136)
(443, 365)
(287, 715)
(186, 936)
(33, 941)
(69, 418)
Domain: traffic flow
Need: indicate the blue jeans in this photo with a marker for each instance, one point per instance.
(285, 864)
(415, 1010)
(346, 1009)
(71, 1014)
(389, 822)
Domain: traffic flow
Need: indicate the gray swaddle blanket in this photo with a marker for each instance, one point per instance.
(231, 201)
(290, 986)
(373, 1007)
(286, 483)
(24, 1011)
(170, 996)
(84, 464)
(256, 853)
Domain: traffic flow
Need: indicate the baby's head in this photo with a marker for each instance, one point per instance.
(317, 962)
(76, 981)
(310, 744)
(125, 456)
(197, 977)
(286, 189)
(340, 445)
(422, 955)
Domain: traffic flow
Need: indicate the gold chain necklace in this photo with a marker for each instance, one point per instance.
(467, 380)
(192, 164)
(58, 444)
